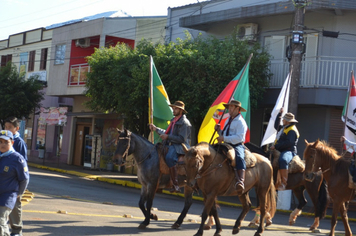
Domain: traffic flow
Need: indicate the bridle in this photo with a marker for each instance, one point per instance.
(313, 166)
(208, 170)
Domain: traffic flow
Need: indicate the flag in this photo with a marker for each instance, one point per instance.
(282, 101)
(237, 89)
(349, 111)
(160, 113)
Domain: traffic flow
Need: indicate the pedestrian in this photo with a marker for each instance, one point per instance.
(15, 218)
(177, 133)
(286, 143)
(14, 177)
(234, 133)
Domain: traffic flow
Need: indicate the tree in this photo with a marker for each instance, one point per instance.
(192, 70)
(19, 97)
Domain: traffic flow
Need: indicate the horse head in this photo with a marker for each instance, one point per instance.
(193, 164)
(123, 145)
(311, 160)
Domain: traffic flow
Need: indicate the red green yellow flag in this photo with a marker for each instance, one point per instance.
(237, 89)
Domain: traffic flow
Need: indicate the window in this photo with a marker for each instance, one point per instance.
(43, 63)
(5, 59)
(60, 54)
(78, 74)
(31, 61)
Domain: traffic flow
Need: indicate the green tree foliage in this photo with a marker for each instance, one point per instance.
(192, 70)
(19, 97)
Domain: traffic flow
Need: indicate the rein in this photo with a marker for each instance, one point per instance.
(127, 151)
(208, 170)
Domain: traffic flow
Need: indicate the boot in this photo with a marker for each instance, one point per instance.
(284, 179)
(240, 177)
(174, 178)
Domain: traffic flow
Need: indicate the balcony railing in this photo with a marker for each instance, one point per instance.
(331, 72)
(78, 74)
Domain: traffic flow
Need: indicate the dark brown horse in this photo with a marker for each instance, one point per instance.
(316, 189)
(319, 155)
(214, 176)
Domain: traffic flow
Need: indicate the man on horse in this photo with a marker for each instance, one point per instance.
(234, 133)
(286, 142)
(178, 132)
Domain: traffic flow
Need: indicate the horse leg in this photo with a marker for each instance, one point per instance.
(210, 222)
(209, 202)
(262, 196)
(146, 196)
(345, 219)
(246, 205)
(188, 196)
(214, 212)
(336, 207)
(299, 193)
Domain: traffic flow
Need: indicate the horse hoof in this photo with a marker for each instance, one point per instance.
(175, 226)
(142, 226)
(154, 217)
(206, 227)
(268, 223)
(258, 234)
(235, 231)
(217, 234)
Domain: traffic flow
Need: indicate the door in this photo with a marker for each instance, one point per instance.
(81, 131)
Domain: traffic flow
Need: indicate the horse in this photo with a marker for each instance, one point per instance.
(317, 190)
(319, 155)
(209, 170)
(148, 173)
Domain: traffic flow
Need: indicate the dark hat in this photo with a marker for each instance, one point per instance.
(290, 117)
(6, 134)
(179, 104)
(235, 103)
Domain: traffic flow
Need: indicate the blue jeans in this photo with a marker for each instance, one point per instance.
(284, 159)
(240, 157)
(171, 156)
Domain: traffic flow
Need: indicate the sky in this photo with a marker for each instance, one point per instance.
(21, 15)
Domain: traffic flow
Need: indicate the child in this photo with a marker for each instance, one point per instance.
(13, 124)
(14, 178)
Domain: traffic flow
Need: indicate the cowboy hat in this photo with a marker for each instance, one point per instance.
(290, 117)
(179, 104)
(235, 103)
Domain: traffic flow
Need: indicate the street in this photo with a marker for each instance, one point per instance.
(70, 205)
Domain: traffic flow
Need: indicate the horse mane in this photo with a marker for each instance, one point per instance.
(326, 150)
(341, 164)
(142, 138)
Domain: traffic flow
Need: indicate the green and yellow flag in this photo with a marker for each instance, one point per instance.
(160, 113)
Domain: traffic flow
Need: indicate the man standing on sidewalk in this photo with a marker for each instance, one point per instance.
(14, 178)
(13, 124)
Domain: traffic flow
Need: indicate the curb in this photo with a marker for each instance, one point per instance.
(131, 184)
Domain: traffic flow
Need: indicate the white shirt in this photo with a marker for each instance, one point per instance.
(238, 129)
(350, 144)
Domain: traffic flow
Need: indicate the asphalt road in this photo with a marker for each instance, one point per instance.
(70, 205)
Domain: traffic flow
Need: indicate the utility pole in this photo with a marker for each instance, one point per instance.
(297, 46)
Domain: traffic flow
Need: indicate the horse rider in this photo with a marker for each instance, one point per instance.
(286, 143)
(234, 134)
(178, 132)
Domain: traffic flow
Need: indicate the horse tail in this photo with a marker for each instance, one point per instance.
(322, 200)
(271, 200)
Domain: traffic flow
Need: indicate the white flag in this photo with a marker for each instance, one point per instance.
(350, 111)
(271, 132)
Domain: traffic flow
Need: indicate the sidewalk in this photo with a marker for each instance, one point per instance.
(128, 180)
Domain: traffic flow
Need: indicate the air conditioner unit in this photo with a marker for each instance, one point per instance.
(247, 31)
(83, 42)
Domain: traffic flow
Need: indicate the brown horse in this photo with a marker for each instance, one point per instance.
(319, 155)
(215, 177)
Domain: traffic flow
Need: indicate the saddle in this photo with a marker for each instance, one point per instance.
(297, 165)
(163, 168)
(352, 175)
(229, 152)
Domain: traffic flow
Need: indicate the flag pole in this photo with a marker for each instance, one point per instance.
(347, 107)
(151, 98)
(243, 72)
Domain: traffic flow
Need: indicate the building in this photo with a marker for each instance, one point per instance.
(329, 57)
(71, 44)
(29, 51)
